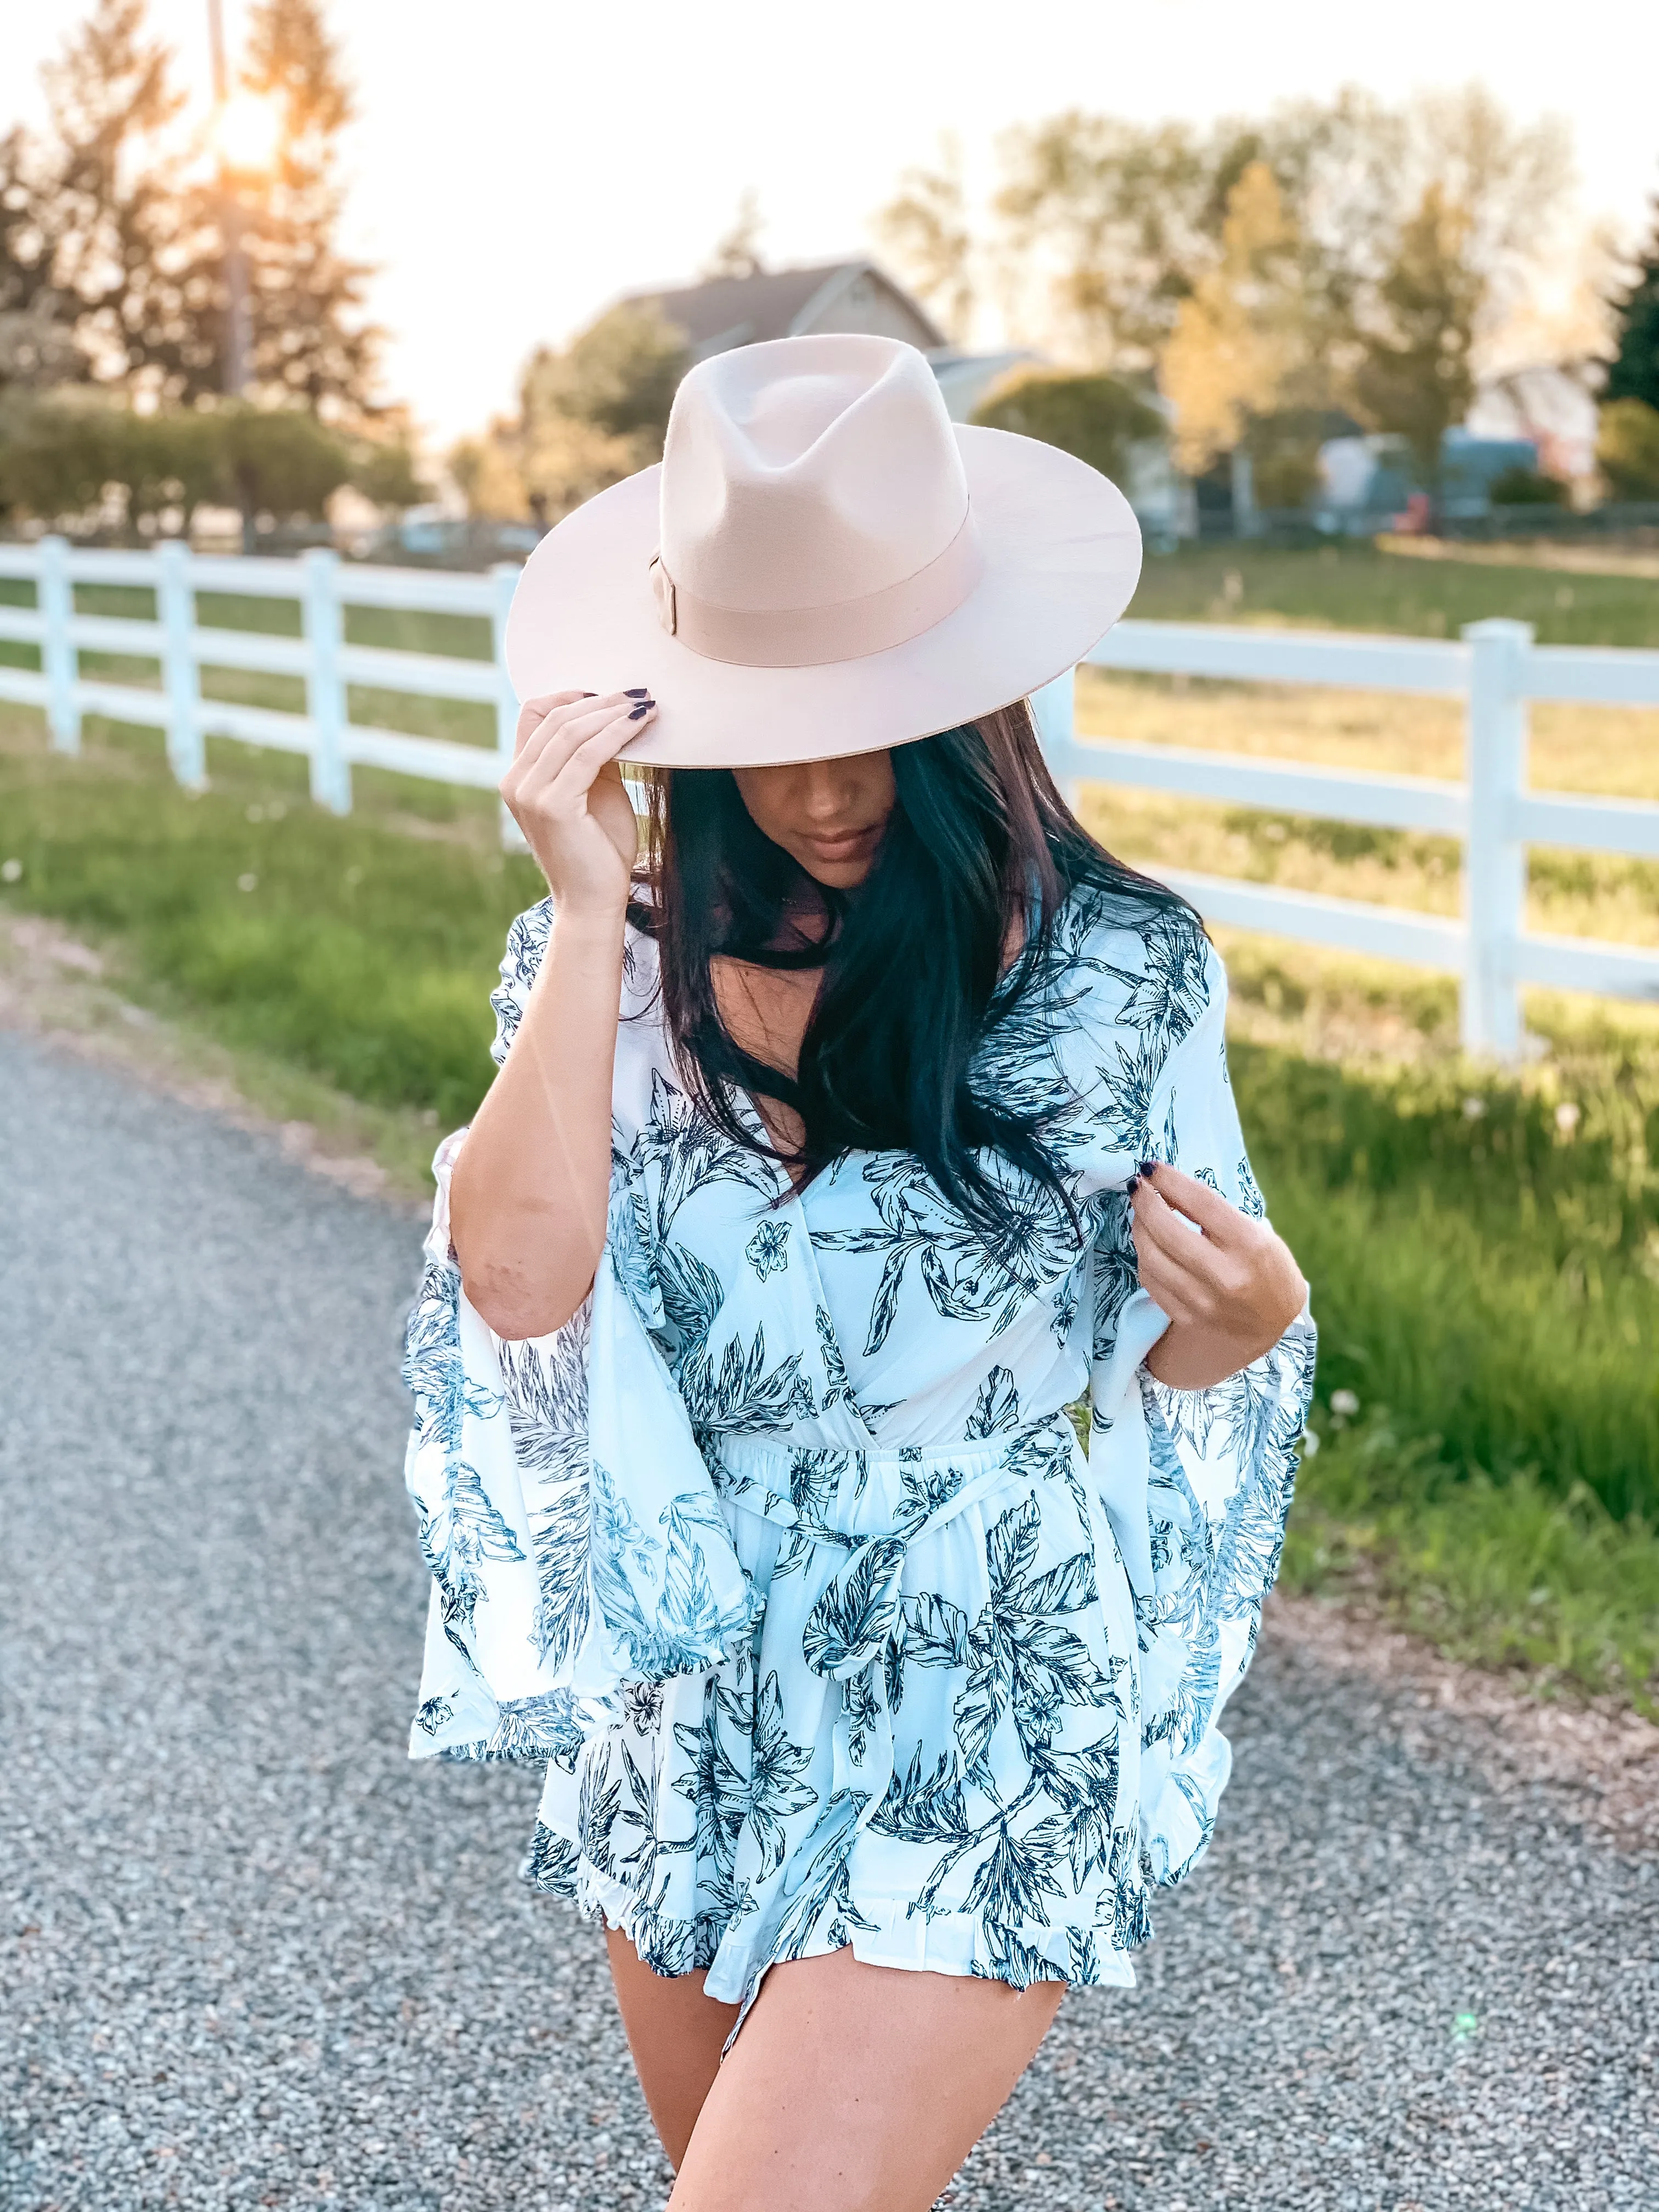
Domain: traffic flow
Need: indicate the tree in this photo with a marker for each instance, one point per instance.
(1240, 336)
(1108, 226)
(1094, 416)
(94, 239)
(925, 227)
(1108, 216)
(1627, 447)
(280, 461)
(1416, 378)
(587, 416)
(310, 341)
(737, 252)
(1634, 373)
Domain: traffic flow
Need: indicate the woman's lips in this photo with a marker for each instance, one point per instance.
(843, 845)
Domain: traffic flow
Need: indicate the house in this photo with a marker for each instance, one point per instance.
(724, 312)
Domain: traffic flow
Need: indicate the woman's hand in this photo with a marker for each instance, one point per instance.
(1229, 1285)
(565, 792)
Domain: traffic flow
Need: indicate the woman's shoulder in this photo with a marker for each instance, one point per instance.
(1124, 959)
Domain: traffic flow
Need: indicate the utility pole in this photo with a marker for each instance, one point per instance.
(230, 219)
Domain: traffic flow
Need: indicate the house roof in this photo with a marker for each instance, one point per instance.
(775, 303)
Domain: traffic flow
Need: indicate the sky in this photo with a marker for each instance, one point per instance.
(517, 164)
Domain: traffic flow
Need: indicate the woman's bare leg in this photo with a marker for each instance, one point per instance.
(675, 2034)
(858, 2088)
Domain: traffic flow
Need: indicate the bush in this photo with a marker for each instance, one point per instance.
(1628, 448)
(62, 457)
(1095, 418)
(1521, 486)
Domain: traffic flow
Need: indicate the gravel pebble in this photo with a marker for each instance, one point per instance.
(253, 1957)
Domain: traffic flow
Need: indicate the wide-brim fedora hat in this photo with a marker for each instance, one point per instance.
(824, 563)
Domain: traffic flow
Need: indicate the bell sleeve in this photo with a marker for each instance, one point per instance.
(1196, 1484)
(566, 1514)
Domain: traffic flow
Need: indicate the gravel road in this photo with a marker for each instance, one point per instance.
(253, 1957)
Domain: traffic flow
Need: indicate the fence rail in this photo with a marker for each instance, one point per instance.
(1496, 669)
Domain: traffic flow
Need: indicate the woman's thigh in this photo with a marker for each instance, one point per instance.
(858, 2088)
(675, 2034)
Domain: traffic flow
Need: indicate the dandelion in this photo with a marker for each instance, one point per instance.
(11, 872)
(1310, 1442)
(1473, 1109)
(354, 876)
(1345, 1404)
(256, 813)
(248, 882)
(1567, 1117)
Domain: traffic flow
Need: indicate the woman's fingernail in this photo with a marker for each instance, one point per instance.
(635, 713)
(1132, 1186)
(590, 695)
(1148, 1167)
(643, 692)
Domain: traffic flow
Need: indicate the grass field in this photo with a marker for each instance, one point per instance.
(1484, 1249)
(1358, 586)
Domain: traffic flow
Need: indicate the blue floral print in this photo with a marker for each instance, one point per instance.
(784, 1556)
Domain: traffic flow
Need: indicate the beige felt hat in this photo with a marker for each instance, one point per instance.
(824, 563)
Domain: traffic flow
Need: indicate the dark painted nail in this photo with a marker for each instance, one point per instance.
(1132, 1186)
(643, 692)
(635, 713)
(590, 695)
(1149, 1167)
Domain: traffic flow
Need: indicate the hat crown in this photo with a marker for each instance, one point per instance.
(806, 473)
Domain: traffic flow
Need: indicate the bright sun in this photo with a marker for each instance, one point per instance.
(248, 132)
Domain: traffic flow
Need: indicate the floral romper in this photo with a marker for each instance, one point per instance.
(783, 1554)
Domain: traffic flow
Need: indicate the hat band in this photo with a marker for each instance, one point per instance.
(847, 630)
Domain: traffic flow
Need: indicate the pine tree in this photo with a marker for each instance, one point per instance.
(1634, 373)
(310, 341)
(93, 239)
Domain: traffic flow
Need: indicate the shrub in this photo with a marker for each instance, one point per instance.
(1520, 487)
(1628, 448)
(1095, 418)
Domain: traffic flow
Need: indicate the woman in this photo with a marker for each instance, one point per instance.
(873, 1707)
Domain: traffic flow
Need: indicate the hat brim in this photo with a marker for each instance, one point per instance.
(1063, 558)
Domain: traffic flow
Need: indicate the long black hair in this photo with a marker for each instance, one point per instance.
(979, 848)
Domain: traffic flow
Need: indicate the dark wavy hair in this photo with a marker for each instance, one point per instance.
(979, 843)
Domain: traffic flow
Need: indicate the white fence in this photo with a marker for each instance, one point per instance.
(1496, 670)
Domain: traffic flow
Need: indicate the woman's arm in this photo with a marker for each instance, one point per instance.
(532, 1185)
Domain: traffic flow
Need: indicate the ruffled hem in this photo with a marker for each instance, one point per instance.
(881, 1931)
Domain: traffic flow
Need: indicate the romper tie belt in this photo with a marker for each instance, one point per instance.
(852, 1622)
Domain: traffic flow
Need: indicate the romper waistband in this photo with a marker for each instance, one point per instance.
(817, 1489)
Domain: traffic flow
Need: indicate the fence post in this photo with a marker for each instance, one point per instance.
(504, 581)
(54, 594)
(1494, 859)
(326, 694)
(1054, 707)
(175, 610)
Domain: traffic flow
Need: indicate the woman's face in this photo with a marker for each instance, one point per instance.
(827, 815)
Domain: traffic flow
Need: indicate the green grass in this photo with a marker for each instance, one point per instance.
(1483, 1273)
(1507, 1575)
(358, 951)
(1359, 586)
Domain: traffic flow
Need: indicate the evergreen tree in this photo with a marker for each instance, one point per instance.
(92, 238)
(1634, 373)
(310, 339)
